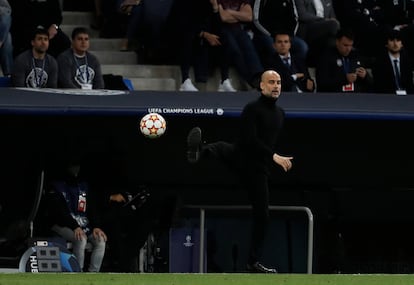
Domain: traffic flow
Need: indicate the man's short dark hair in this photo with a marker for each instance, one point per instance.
(282, 32)
(40, 31)
(344, 32)
(79, 30)
(392, 35)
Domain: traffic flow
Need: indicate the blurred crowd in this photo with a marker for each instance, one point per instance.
(351, 45)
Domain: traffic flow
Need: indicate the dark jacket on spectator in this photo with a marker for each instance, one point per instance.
(330, 74)
(384, 78)
(296, 66)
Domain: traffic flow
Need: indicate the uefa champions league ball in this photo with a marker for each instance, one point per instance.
(153, 125)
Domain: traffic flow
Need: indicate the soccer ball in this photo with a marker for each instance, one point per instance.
(153, 125)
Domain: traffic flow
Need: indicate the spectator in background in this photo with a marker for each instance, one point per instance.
(31, 14)
(130, 217)
(78, 68)
(98, 15)
(199, 41)
(108, 19)
(235, 14)
(134, 11)
(271, 16)
(6, 46)
(340, 69)
(317, 26)
(393, 70)
(129, 210)
(366, 20)
(292, 69)
(399, 15)
(145, 31)
(36, 68)
(73, 215)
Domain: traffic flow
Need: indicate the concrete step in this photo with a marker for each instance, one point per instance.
(116, 57)
(154, 84)
(105, 44)
(147, 77)
(77, 18)
(142, 70)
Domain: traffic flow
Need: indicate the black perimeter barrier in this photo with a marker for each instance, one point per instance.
(353, 157)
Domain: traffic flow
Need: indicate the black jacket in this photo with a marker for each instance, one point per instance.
(297, 66)
(383, 73)
(275, 16)
(261, 123)
(330, 75)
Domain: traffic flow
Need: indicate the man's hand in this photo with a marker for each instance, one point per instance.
(52, 31)
(361, 72)
(79, 234)
(284, 161)
(310, 85)
(99, 234)
(212, 39)
(117, 198)
(351, 77)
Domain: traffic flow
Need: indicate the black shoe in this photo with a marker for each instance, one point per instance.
(257, 267)
(194, 145)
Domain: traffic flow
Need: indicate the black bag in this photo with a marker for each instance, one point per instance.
(114, 82)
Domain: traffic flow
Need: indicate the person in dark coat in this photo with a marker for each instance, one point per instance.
(393, 69)
(29, 15)
(252, 157)
(292, 68)
(340, 69)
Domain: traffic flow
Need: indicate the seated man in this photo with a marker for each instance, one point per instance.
(199, 43)
(340, 69)
(240, 50)
(393, 69)
(317, 26)
(128, 222)
(72, 216)
(274, 15)
(292, 69)
(78, 68)
(399, 15)
(35, 68)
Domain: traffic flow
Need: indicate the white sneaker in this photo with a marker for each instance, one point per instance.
(226, 86)
(188, 86)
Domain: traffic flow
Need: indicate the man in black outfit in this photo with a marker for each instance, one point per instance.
(393, 68)
(291, 68)
(252, 156)
(340, 68)
(29, 15)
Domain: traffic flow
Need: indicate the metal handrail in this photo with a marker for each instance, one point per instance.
(203, 208)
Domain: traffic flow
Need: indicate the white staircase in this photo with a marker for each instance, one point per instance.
(114, 61)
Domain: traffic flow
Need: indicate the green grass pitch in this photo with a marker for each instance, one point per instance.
(201, 279)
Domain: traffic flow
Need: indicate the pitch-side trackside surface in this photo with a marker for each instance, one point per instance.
(202, 279)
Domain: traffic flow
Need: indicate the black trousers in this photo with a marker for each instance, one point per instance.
(257, 186)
